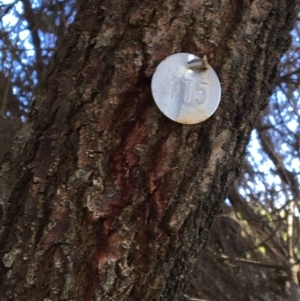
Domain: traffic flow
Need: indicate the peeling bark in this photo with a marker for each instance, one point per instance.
(104, 198)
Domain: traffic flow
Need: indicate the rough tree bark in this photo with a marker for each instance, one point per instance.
(104, 198)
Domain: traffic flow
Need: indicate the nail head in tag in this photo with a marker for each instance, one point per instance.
(186, 88)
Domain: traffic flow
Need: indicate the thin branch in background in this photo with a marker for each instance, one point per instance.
(250, 262)
(193, 299)
(33, 27)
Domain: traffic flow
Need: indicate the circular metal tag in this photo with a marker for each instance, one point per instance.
(186, 88)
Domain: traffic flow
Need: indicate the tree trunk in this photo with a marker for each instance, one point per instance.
(103, 197)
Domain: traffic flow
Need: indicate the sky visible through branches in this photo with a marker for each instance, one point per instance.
(48, 19)
(282, 122)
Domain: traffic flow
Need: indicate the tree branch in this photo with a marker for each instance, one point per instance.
(250, 262)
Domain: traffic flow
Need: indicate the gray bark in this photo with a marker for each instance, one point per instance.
(104, 198)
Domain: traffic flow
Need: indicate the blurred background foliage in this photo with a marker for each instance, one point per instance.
(29, 33)
(254, 247)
